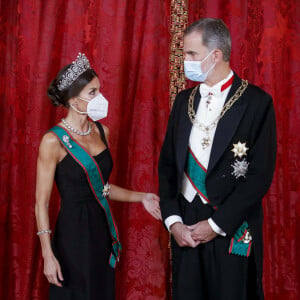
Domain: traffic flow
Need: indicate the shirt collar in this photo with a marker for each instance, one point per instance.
(218, 88)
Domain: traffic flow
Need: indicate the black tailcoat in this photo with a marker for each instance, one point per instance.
(250, 120)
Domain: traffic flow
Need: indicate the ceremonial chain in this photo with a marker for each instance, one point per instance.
(207, 128)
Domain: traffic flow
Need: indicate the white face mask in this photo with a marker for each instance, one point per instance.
(97, 108)
(193, 70)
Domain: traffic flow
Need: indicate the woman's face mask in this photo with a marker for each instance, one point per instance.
(97, 108)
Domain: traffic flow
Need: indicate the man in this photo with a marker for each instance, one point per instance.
(216, 164)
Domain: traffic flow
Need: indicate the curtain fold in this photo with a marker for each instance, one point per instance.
(128, 44)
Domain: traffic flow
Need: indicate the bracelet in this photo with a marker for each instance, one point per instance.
(44, 231)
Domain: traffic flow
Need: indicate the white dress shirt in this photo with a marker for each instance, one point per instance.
(210, 107)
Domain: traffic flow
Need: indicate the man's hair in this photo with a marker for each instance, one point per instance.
(215, 35)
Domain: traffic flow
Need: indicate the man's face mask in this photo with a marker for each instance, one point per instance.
(193, 70)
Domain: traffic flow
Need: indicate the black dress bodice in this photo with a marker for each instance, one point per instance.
(71, 179)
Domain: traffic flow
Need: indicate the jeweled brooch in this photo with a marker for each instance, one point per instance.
(247, 238)
(240, 168)
(239, 149)
(66, 139)
(106, 189)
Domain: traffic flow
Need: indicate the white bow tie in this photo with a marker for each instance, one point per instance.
(206, 90)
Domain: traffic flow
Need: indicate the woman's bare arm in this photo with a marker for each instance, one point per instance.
(50, 152)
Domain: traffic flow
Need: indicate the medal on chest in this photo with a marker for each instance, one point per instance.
(240, 166)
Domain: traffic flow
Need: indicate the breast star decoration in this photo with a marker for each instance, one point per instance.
(239, 149)
(240, 167)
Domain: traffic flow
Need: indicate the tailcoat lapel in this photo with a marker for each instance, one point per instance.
(227, 126)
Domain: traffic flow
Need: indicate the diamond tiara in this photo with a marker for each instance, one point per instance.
(79, 66)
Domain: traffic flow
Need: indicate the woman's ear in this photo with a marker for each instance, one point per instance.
(73, 101)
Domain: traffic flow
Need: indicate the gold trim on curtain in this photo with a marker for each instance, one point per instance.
(179, 22)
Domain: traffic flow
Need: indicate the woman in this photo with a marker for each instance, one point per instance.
(80, 261)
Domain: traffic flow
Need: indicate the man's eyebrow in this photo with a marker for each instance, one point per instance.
(190, 52)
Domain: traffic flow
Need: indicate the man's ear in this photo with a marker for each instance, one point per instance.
(217, 55)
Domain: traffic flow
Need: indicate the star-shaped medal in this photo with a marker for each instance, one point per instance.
(239, 149)
(240, 168)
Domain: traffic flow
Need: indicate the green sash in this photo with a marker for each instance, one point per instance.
(96, 182)
(240, 244)
(196, 174)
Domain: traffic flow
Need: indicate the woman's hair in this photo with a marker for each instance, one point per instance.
(58, 97)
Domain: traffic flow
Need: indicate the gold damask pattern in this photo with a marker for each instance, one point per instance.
(179, 21)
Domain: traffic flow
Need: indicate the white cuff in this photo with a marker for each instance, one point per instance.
(215, 227)
(169, 221)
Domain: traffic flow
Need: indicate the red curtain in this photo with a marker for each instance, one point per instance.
(128, 45)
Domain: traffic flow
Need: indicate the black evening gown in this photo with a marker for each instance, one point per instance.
(82, 241)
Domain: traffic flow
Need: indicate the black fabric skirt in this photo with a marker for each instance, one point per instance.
(82, 245)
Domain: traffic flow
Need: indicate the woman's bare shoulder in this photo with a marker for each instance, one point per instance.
(50, 146)
(50, 139)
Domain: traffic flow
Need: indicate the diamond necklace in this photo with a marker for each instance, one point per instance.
(77, 131)
(207, 128)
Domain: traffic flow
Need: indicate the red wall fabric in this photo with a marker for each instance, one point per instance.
(128, 45)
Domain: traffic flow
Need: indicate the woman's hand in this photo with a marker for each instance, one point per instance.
(149, 200)
(151, 204)
(52, 270)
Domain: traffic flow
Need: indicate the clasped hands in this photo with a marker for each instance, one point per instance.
(192, 236)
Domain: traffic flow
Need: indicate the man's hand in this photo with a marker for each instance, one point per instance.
(182, 235)
(202, 232)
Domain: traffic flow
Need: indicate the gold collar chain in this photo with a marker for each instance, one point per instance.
(207, 128)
